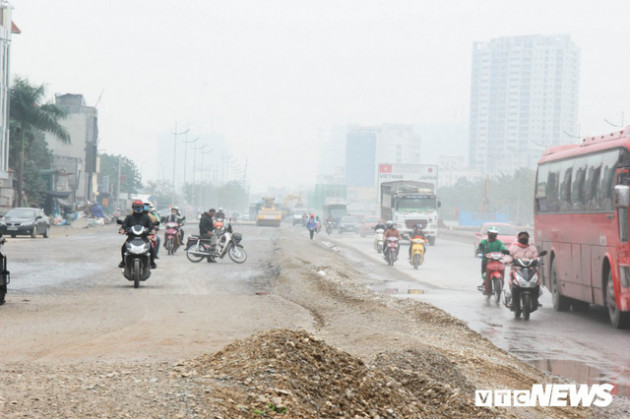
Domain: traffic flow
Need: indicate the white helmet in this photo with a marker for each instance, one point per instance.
(492, 230)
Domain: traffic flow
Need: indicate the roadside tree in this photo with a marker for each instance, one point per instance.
(27, 118)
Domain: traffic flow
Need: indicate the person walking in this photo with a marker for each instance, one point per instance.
(311, 225)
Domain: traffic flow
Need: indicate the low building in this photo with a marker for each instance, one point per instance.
(79, 158)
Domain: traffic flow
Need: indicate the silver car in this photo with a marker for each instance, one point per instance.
(25, 221)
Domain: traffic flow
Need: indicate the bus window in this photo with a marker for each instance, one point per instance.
(566, 169)
(541, 188)
(553, 182)
(577, 186)
(591, 183)
(609, 161)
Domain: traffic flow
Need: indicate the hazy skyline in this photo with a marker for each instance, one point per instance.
(273, 77)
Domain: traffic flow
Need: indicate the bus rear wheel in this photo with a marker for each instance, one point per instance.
(618, 319)
(560, 302)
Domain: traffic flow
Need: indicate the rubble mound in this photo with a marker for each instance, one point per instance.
(433, 380)
(292, 373)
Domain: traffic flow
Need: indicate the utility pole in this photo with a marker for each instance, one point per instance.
(202, 177)
(175, 134)
(195, 169)
(186, 161)
(118, 186)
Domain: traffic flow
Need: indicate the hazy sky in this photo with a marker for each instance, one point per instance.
(272, 77)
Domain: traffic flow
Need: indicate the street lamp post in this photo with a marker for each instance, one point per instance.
(175, 134)
(202, 176)
(118, 184)
(195, 169)
(186, 158)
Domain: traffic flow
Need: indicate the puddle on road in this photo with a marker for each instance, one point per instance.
(582, 373)
(396, 289)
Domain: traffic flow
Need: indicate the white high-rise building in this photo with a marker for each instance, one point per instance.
(524, 98)
(7, 28)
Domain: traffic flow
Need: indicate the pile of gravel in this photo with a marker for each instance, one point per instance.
(292, 373)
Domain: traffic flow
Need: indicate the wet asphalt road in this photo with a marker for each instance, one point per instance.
(580, 346)
(68, 300)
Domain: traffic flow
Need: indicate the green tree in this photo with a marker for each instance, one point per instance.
(27, 117)
(513, 193)
(130, 177)
(161, 192)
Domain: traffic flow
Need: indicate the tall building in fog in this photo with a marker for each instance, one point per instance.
(361, 157)
(367, 147)
(524, 98)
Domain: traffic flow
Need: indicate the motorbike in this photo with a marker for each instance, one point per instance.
(172, 236)
(5, 276)
(329, 227)
(379, 241)
(416, 256)
(391, 250)
(495, 274)
(228, 243)
(137, 254)
(522, 295)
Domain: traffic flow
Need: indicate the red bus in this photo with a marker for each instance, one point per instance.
(581, 218)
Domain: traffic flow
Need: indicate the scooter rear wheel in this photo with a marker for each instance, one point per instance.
(192, 253)
(416, 261)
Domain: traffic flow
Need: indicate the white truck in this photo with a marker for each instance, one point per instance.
(407, 196)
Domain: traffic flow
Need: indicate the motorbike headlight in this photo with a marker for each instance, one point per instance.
(522, 282)
(138, 250)
(534, 279)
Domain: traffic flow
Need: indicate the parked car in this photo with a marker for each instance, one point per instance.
(507, 234)
(349, 223)
(367, 226)
(25, 221)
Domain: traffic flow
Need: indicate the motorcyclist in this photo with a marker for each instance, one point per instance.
(137, 217)
(175, 217)
(392, 231)
(522, 248)
(220, 215)
(489, 245)
(311, 225)
(417, 233)
(149, 209)
(206, 227)
(330, 223)
(380, 225)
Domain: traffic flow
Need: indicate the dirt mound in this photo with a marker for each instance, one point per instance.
(434, 380)
(294, 373)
